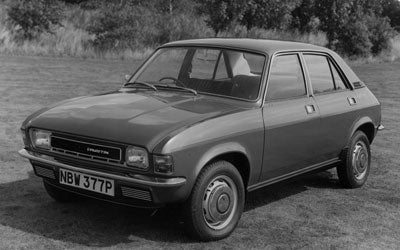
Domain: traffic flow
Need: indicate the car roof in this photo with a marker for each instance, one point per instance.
(260, 45)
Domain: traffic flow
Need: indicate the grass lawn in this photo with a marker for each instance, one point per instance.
(308, 212)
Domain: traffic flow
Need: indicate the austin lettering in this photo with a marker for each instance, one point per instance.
(97, 151)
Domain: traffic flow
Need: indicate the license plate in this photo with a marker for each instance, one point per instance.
(88, 182)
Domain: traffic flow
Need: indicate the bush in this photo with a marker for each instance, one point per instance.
(317, 38)
(380, 33)
(119, 27)
(395, 47)
(180, 27)
(32, 17)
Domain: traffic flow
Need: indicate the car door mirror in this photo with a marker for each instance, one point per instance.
(127, 77)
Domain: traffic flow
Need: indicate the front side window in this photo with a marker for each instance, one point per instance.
(223, 72)
(286, 79)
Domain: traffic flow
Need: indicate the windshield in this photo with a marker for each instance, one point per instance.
(224, 72)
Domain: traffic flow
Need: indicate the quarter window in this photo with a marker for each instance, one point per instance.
(286, 78)
(339, 84)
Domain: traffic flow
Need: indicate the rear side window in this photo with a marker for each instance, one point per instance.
(286, 78)
(323, 74)
(320, 73)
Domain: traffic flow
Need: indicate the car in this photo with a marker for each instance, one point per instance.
(203, 122)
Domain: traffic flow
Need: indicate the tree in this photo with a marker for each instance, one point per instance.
(304, 18)
(174, 6)
(354, 27)
(391, 9)
(269, 14)
(221, 13)
(333, 15)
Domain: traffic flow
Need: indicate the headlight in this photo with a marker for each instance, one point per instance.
(137, 157)
(163, 164)
(41, 138)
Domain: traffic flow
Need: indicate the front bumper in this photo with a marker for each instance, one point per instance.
(134, 190)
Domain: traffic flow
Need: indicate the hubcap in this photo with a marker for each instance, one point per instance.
(360, 160)
(220, 202)
(223, 203)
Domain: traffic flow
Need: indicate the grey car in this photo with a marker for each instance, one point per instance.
(203, 122)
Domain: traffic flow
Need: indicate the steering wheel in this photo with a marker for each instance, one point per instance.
(176, 81)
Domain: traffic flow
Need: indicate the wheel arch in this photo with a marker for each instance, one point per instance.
(366, 125)
(239, 161)
(233, 153)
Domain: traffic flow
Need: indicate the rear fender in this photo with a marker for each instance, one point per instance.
(358, 123)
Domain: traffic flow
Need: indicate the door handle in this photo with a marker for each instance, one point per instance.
(310, 109)
(352, 101)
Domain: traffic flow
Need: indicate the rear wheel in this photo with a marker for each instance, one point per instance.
(60, 195)
(355, 167)
(216, 203)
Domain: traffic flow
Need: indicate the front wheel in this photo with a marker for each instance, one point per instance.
(216, 203)
(355, 167)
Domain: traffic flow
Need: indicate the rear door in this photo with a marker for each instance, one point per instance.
(291, 119)
(335, 102)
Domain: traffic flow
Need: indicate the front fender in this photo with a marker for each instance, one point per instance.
(193, 147)
(217, 150)
(190, 161)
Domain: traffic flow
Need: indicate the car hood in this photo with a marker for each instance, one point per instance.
(134, 117)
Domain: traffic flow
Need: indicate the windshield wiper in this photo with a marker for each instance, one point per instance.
(177, 87)
(142, 83)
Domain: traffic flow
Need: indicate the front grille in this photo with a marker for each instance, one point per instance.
(136, 193)
(86, 150)
(44, 172)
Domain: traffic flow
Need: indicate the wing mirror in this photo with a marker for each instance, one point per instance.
(127, 77)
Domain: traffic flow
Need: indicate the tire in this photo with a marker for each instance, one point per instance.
(356, 162)
(216, 202)
(61, 195)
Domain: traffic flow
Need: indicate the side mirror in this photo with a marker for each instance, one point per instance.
(127, 77)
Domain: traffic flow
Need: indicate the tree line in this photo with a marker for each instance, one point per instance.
(352, 27)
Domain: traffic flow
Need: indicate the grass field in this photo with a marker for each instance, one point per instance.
(308, 212)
